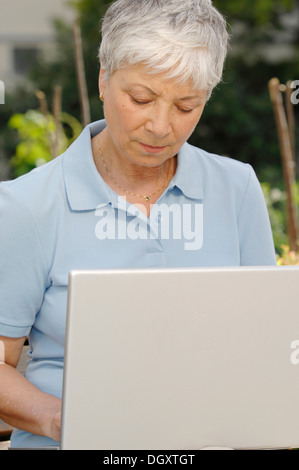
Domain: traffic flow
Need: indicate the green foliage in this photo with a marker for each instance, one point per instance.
(287, 257)
(39, 139)
(276, 203)
(59, 70)
(276, 200)
(257, 13)
(239, 121)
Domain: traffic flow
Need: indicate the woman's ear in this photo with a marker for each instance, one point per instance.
(102, 83)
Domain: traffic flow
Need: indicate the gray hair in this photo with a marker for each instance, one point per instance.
(186, 39)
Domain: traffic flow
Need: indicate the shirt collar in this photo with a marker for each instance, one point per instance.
(188, 176)
(86, 189)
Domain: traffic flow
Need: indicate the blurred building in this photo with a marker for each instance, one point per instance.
(26, 29)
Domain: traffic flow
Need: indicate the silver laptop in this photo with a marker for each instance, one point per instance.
(182, 359)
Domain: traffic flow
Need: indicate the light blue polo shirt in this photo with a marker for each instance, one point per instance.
(63, 216)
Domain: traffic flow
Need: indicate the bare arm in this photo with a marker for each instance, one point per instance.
(23, 405)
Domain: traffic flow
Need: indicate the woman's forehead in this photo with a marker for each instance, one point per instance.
(138, 78)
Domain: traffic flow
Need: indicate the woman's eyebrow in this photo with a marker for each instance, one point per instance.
(153, 93)
(144, 87)
(191, 97)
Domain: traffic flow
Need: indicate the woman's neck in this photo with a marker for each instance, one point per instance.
(120, 173)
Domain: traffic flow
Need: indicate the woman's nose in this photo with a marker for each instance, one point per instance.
(159, 122)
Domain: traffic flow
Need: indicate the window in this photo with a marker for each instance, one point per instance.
(24, 59)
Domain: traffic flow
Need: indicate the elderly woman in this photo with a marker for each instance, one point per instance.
(129, 193)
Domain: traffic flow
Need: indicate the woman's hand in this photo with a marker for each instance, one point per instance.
(22, 405)
(55, 427)
(50, 418)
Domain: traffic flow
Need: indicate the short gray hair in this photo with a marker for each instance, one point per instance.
(186, 39)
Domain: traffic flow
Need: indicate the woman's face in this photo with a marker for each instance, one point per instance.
(149, 117)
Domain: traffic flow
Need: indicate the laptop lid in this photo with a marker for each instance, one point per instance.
(182, 359)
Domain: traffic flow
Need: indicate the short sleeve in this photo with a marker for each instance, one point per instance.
(23, 274)
(255, 234)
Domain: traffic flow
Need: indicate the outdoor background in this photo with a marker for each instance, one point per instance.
(38, 55)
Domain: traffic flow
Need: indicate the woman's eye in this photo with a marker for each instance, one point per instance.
(182, 110)
(143, 102)
(139, 101)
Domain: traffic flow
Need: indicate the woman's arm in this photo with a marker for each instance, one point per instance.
(23, 405)
(255, 235)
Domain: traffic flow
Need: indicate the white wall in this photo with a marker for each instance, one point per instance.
(27, 23)
(30, 17)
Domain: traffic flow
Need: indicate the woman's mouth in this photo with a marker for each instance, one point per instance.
(152, 149)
